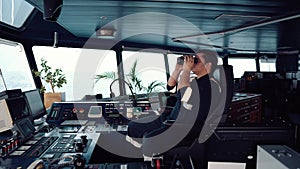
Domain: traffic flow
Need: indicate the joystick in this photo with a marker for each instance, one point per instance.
(84, 139)
(79, 161)
(37, 164)
(79, 147)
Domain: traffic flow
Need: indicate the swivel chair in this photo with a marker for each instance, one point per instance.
(181, 156)
(294, 118)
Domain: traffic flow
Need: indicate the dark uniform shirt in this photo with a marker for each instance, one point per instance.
(194, 103)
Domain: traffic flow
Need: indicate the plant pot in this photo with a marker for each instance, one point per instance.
(50, 98)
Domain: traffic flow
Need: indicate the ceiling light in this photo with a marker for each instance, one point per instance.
(103, 17)
(106, 33)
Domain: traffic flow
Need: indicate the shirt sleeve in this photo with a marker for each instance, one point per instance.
(186, 97)
(170, 87)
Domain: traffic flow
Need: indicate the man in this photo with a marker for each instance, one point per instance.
(191, 109)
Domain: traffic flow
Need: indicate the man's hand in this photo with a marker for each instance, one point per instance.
(174, 76)
(188, 63)
(178, 67)
(186, 70)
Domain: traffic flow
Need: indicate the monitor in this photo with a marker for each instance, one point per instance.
(17, 107)
(35, 104)
(6, 122)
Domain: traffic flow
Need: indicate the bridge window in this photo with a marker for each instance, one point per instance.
(150, 67)
(80, 66)
(267, 64)
(14, 66)
(14, 12)
(240, 65)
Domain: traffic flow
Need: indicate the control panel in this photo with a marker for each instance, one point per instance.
(21, 132)
(51, 149)
(68, 144)
(75, 132)
(69, 135)
(101, 112)
(34, 147)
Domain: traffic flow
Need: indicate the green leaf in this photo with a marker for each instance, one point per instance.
(106, 75)
(55, 78)
(153, 85)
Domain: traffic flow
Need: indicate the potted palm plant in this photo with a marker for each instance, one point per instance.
(55, 78)
(133, 80)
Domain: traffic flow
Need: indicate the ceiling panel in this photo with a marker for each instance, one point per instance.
(173, 18)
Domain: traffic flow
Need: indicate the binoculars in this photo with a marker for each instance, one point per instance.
(180, 60)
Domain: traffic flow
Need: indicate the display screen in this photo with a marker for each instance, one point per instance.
(17, 107)
(95, 111)
(6, 122)
(26, 127)
(35, 103)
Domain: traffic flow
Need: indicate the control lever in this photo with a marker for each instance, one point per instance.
(37, 164)
(79, 161)
(79, 147)
(84, 139)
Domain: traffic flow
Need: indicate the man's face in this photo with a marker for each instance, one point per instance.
(199, 68)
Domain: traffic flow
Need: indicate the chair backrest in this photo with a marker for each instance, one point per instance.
(224, 74)
(220, 102)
